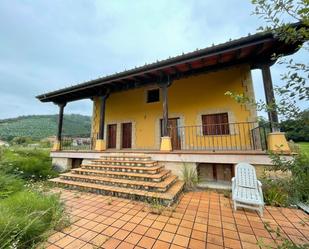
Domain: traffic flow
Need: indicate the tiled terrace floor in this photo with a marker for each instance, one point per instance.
(200, 220)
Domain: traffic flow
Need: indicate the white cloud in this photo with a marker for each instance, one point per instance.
(47, 45)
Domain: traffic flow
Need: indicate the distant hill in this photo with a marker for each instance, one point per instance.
(42, 126)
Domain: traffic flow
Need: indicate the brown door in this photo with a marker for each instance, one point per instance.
(173, 132)
(111, 136)
(126, 138)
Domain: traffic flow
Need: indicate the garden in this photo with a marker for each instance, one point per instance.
(28, 211)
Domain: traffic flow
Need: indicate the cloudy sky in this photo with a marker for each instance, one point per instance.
(47, 45)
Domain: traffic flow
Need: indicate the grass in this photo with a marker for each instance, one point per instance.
(26, 216)
(304, 147)
(29, 163)
(27, 210)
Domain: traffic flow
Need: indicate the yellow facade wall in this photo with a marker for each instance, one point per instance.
(188, 99)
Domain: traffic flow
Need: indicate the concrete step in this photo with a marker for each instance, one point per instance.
(124, 175)
(142, 185)
(165, 198)
(137, 163)
(126, 157)
(122, 168)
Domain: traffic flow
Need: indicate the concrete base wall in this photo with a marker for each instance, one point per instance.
(61, 164)
(62, 161)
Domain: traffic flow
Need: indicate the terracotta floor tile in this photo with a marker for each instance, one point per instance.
(166, 236)
(65, 241)
(136, 219)
(186, 223)
(146, 222)
(121, 234)
(215, 239)
(88, 236)
(213, 246)
(174, 221)
(198, 235)
(76, 244)
(119, 223)
(161, 245)
(246, 245)
(90, 225)
(111, 243)
(181, 240)
(229, 226)
(125, 245)
(173, 246)
(215, 230)
(215, 223)
(247, 238)
(184, 231)
(53, 247)
(99, 228)
(163, 218)
(153, 233)
(140, 229)
(146, 242)
(99, 240)
(232, 243)
(170, 228)
(56, 236)
(129, 226)
(110, 231)
(245, 229)
(133, 238)
(189, 226)
(200, 227)
(195, 244)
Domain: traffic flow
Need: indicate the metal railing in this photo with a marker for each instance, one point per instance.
(242, 136)
(77, 143)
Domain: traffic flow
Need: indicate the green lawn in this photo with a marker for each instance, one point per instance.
(304, 146)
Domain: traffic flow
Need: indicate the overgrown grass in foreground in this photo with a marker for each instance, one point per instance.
(27, 210)
(26, 216)
(28, 163)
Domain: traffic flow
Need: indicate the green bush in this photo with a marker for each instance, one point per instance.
(26, 216)
(32, 164)
(275, 191)
(9, 185)
(298, 184)
(189, 176)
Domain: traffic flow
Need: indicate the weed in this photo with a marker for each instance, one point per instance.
(189, 176)
(26, 216)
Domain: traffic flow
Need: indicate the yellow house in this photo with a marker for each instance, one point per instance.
(176, 111)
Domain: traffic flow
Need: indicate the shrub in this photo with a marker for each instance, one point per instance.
(26, 216)
(9, 185)
(298, 183)
(28, 163)
(275, 191)
(189, 176)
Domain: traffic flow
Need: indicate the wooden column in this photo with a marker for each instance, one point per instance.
(60, 120)
(102, 117)
(269, 96)
(165, 109)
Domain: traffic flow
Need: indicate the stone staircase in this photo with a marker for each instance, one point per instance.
(129, 176)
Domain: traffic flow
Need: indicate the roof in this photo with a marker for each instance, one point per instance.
(252, 49)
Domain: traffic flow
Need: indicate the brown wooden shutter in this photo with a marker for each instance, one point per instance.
(215, 124)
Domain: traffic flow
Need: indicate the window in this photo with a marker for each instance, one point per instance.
(153, 95)
(215, 124)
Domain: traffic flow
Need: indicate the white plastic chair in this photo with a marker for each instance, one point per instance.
(247, 189)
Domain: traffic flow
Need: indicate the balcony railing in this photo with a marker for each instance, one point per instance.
(77, 143)
(244, 136)
(220, 137)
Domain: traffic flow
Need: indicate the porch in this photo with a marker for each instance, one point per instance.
(223, 137)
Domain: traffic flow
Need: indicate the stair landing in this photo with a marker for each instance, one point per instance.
(128, 176)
